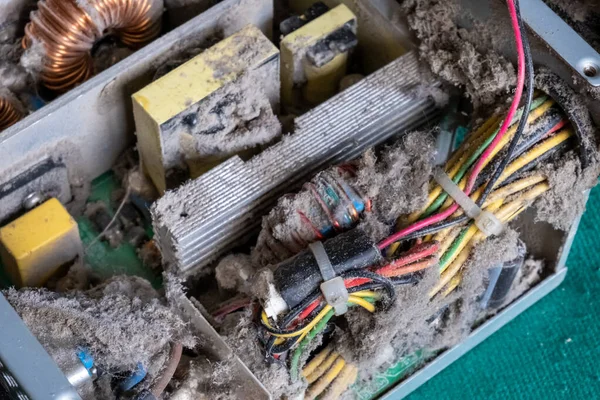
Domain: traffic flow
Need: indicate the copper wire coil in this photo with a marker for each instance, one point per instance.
(9, 114)
(68, 34)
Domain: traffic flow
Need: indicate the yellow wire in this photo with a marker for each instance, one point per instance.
(468, 236)
(301, 331)
(536, 152)
(456, 161)
(316, 361)
(346, 378)
(446, 237)
(320, 385)
(321, 369)
(506, 213)
(535, 114)
(520, 162)
(453, 283)
(479, 135)
(452, 270)
(503, 192)
(513, 188)
(366, 293)
(361, 302)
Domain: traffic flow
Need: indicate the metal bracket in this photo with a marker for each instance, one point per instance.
(26, 370)
(571, 47)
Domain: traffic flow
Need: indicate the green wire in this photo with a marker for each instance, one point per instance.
(295, 361)
(294, 364)
(465, 167)
(449, 254)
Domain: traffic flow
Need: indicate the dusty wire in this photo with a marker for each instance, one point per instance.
(112, 221)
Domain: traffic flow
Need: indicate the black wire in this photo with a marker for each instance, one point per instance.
(554, 87)
(540, 131)
(385, 282)
(378, 282)
(523, 122)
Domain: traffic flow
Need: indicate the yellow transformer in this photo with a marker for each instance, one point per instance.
(314, 54)
(220, 103)
(36, 245)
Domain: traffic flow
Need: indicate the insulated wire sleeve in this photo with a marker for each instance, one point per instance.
(528, 100)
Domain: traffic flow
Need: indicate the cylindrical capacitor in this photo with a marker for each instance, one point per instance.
(502, 278)
(297, 277)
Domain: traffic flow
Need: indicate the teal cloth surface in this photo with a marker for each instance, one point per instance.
(551, 351)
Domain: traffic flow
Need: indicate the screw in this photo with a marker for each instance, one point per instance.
(32, 200)
(590, 70)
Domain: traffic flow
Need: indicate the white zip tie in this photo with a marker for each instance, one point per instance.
(333, 288)
(487, 222)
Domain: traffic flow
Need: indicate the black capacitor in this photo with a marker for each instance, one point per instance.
(297, 277)
(508, 272)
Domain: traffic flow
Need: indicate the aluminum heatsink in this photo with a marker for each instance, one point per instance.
(208, 216)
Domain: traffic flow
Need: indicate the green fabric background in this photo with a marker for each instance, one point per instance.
(551, 351)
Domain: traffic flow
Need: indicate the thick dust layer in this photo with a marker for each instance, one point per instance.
(235, 118)
(568, 180)
(456, 54)
(122, 321)
(13, 77)
(415, 322)
(240, 332)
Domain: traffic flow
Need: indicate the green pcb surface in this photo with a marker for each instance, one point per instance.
(104, 260)
(100, 256)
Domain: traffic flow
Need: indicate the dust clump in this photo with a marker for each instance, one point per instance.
(456, 54)
(13, 76)
(242, 336)
(122, 321)
(234, 272)
(415, 322)
(568, 196)
(397, 181)
(205, 380)
(569, 182)
(236, 118)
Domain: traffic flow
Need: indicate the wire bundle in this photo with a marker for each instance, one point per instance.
(69, 29)
(494, 166)
(9, 114)
(309, 318)
(328, 374)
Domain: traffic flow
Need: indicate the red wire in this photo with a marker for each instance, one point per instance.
(515, 103)
(306, 312)
(486, 154)
(419, 252)
(407, 269)
(556, 127)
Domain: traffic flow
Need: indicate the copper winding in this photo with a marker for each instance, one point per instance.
(9, 114)
(68, 33)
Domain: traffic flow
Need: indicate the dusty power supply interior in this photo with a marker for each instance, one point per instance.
(282, 199)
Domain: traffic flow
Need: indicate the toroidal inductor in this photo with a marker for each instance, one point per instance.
(9, 113)
(68, 29)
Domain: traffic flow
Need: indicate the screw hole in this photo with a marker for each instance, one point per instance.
(590, 71)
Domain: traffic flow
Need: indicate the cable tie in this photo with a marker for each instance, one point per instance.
(333, 288)
(487, 222)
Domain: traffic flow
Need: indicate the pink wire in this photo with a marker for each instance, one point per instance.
(515, 103)
(479, 165)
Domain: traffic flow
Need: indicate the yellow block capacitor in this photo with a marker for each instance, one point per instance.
(36, 245)
(314, 57)
(178, 98)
